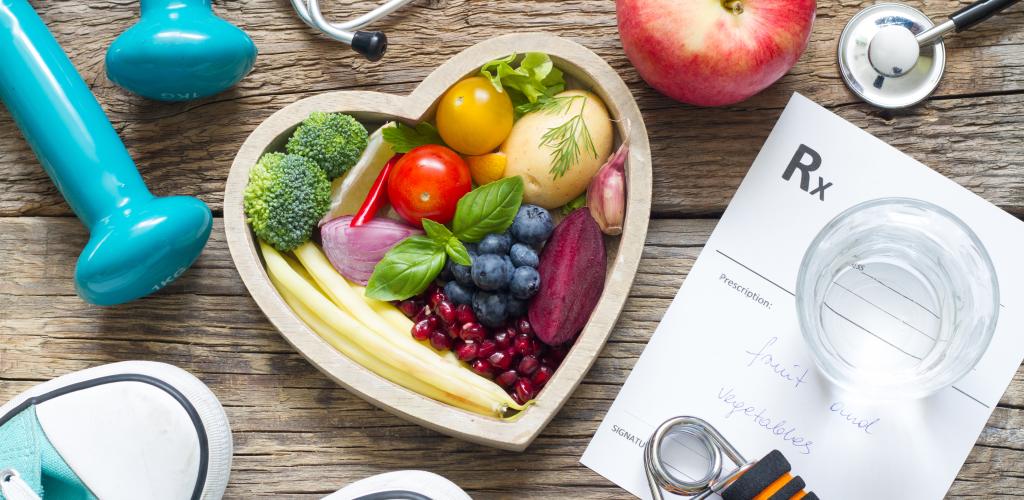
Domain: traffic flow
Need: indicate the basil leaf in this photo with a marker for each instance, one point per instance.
(407, 269)
(437, 232)
(404, 138)
(488, 209)
(457, 251)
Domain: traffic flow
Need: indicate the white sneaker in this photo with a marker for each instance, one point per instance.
(401, 485)
(132, 430)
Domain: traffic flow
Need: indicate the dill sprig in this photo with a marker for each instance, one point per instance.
(568, 140)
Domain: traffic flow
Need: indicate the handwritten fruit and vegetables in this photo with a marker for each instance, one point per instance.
(455, 257)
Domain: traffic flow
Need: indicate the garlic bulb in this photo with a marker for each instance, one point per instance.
(606, 195)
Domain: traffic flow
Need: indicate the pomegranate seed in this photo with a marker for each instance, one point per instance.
(435, 322)
(408, 308)
(502, 339)
(437, 296)
(482, 367)
(524, 390)
(473, 331)
(467, 351)
(524, 345)
(439, 340)
(446, 311)
(558, 352)
(507, 378)
(528, 365)
(423, 314)
(421, 330)
(464, 314)
(454, 331)
(524, 327)
(487, 347)
(500, 360)
(541, 376)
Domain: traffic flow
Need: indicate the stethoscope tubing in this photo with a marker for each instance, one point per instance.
(963, 19)
(309, 12)
(978, 12)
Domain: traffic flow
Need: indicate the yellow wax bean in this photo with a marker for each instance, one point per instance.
(372, 363)
(440, 375)
(338, 289)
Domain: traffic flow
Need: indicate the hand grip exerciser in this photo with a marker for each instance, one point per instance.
(139, 242)
(766, 479)
(179, 50)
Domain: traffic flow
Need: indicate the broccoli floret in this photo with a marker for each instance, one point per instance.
(333, 140)
(285, 198)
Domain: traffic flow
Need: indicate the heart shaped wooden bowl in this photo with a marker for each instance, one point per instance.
(588, 71)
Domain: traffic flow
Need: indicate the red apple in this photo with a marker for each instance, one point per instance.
(713, 52)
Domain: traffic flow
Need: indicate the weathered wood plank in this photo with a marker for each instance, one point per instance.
(700, 155)
(297, 434)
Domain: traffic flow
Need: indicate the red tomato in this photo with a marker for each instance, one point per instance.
(427, 183)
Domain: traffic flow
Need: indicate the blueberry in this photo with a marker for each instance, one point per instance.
(524, 255)
(509, 268)
(532, 225)
(491, 309)
(446, 273)
(516, 307)
(525, 282)
(458, 293)
(462, 274)
(491, 272)
(472, 248)
(497, 244)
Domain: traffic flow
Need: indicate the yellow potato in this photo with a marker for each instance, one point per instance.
(529, 157)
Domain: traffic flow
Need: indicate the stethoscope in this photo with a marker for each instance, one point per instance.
(371, 44)
(892, 56)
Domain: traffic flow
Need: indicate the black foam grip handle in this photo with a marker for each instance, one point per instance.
(371, 44)
(758, 477)
(789, 489)
(978, 12)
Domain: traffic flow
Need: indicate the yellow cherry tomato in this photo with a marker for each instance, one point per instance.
(487, 168)
(473, 117)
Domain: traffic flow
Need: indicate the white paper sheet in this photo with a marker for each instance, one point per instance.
(732, 353)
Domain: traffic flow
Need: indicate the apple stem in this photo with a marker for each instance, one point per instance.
(734, 6)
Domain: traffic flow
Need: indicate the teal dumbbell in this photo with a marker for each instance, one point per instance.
(138, 243)
(178, 51)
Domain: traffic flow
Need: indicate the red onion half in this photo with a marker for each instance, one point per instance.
(354, 251)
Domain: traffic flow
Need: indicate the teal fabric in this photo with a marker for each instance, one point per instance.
(25, 448)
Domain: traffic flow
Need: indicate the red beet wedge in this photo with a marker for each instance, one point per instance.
(569, 287)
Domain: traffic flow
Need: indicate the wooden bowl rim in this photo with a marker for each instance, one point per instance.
(517, 434)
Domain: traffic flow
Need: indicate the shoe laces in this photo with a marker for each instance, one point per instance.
(13, 487)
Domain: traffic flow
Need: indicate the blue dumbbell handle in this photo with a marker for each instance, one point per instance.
(138, 243)
(61, 119)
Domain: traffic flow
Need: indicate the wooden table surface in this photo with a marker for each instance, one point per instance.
(299, 435)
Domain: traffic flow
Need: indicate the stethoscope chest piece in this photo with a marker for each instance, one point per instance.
(880, 62)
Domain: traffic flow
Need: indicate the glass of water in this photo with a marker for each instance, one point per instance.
(897, 298)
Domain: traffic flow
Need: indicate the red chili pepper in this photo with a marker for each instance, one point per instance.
(377, 196)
